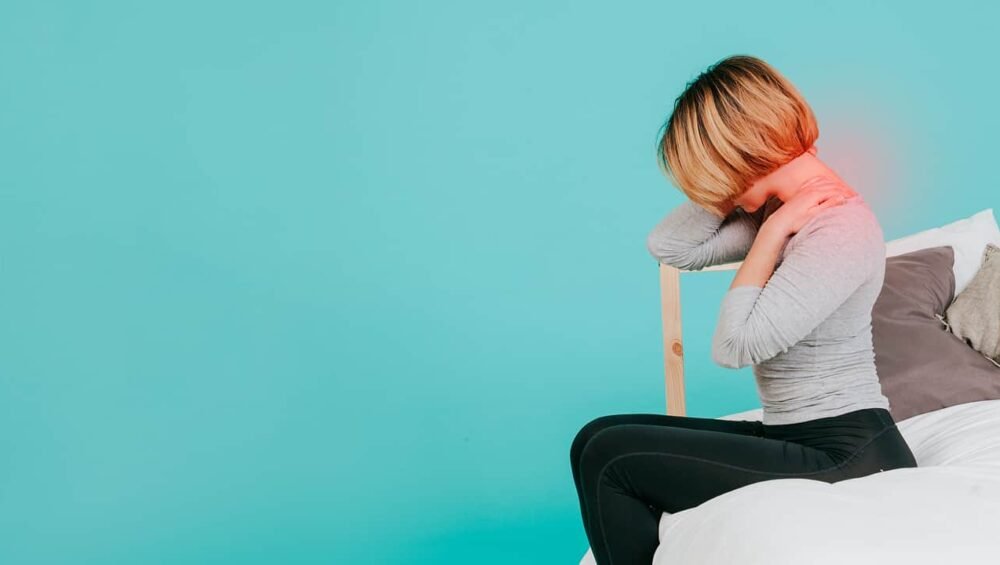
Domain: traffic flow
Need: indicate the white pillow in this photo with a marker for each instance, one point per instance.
(967, 237)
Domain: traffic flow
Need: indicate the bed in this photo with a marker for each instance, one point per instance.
(945, 510)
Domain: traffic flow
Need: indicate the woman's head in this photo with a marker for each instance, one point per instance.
(737, 121)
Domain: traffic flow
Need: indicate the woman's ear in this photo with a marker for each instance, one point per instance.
(812, 149)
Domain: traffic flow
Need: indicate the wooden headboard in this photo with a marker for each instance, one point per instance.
(673, 344)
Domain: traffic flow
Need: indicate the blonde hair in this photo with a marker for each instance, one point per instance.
(736, 122)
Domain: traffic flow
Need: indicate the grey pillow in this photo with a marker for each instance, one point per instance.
(974, 315)
(921, 365)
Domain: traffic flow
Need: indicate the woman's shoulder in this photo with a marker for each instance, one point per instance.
(852, 223)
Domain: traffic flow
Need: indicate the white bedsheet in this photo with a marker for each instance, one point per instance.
(945, 511)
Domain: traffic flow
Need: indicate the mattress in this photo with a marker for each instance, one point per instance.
(945, 510)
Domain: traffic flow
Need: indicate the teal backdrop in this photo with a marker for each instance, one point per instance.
(338, 282)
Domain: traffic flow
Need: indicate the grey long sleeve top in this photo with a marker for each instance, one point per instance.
(807, 332)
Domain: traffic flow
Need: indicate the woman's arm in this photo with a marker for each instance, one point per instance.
(772, 235)
(824, 267)
(758, 266)
(690, 237)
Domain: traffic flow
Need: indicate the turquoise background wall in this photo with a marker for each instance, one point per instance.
(313, 282)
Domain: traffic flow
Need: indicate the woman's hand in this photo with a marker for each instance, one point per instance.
(809, 200)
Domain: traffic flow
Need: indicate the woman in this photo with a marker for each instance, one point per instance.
(740, 145)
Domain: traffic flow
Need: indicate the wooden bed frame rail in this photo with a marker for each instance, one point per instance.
(673, 344)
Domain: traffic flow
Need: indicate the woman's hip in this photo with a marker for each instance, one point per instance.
(860, 442)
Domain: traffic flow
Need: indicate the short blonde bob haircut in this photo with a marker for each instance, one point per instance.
(736, 122)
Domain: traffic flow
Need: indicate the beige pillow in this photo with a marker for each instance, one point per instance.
(974, 315)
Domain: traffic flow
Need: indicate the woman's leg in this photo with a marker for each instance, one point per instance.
(630, 472)
(596, 426)
(742, 427)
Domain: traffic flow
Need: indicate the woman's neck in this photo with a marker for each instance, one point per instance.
(804, 170)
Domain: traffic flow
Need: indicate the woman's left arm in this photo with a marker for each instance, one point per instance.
(759, 263)
(820, 271)
(773, 234)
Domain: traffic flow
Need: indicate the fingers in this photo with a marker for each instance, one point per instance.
(826, 189)
(821, 194)
(830, 187)
(834, 200)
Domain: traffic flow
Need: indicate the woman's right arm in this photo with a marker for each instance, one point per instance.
(690, 237)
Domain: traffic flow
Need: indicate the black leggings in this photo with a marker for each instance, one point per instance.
(630, 468)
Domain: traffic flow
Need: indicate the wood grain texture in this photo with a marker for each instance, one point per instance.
(673, 342)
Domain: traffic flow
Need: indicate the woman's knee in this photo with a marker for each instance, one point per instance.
(608, 442)
(586, 433)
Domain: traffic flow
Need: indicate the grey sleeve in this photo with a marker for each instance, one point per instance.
(690, 237)
(816, 276)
